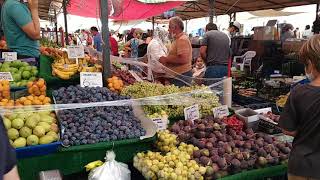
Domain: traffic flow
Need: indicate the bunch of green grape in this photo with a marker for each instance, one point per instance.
(187, 96)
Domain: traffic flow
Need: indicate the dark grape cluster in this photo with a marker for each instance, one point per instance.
(95, 124)
(125, 76)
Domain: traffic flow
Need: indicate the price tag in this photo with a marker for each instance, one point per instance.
(9, 56)
(220, 112)
(75, 52)
(6, 76)
(91, 79)
(162, 125)
(192, 112)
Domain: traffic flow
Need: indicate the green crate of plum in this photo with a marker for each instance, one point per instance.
(88, 123)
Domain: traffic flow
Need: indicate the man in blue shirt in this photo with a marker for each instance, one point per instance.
(21, 27)
(97, 40)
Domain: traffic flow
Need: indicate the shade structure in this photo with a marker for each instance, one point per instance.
(120, 9)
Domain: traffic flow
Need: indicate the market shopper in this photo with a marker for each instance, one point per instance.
(133, 45)
(301, 119)
(307, 33)
(8, 168)
(97, 39)
(287, 32)
(113, 45)
(179, 60)
(215, 50)
(156, 49)
(21, 27)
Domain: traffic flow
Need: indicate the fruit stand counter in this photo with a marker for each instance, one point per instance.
(259, 174)
(73, 159)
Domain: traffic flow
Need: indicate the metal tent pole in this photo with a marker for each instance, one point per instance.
(104, 17)
(65, 21)
(153, 24)
(211, 10)
(56, 26)
(186, 29)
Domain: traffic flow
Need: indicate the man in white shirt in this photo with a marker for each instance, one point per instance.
(307, 33)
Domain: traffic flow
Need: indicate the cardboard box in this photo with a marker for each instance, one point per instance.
(265, 33)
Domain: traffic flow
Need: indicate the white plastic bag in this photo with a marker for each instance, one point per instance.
(110, 170)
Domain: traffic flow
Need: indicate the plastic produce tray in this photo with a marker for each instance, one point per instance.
(273, 106)
(243, 100)
(268, 127)
(38, 150)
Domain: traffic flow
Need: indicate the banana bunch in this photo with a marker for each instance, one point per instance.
(93, 165)
(85, 66)
(64, 68)
(282, 100)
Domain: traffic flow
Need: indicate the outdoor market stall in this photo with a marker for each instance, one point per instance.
(68, 121)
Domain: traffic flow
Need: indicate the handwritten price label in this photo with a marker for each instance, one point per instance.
(90, 79)
(192, 112)
(75, 52)
(162, 125)
(220, 112)
(9, 56)
(6, 76)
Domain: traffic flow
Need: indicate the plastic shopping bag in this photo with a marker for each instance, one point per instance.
(110, 170)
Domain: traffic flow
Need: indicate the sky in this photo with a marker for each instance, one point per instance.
(245, 18)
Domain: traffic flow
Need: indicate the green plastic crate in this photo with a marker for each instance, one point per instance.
(45, 72)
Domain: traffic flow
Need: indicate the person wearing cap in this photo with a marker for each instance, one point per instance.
(234, 28)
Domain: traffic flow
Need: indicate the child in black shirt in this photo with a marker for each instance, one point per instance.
(301, 117)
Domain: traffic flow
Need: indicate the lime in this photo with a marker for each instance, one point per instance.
(26, 74)
(34, 72)
(16, 77)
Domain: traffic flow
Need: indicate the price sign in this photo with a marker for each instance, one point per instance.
(9, 56)
(220, 112)
(162, 125)
(192, 112)
(6, 76)
(75, 52)
(91, 79)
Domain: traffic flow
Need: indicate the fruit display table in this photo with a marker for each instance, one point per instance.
(73, 159)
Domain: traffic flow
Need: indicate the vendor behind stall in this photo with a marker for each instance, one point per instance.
(179, 59)
(287, 32)
(21, 26)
